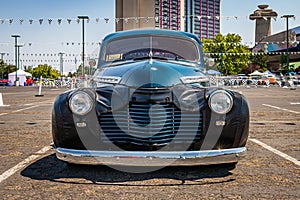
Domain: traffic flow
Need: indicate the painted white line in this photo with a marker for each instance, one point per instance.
(295, 103)
(28, 104)
(279, 153)
(22, 164)
(278, 108)
(40, 103)
(25, 109)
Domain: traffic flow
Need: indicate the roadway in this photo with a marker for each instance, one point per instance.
(30, 170)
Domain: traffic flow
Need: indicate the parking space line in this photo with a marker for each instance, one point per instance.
(22, 164)
(283, 109)
(14, 111)
(19, 110)
(25, 109)
(279, 153)
(295, 103)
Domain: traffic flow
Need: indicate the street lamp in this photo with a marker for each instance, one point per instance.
(2, 54)
(18, 49)
(83, 18)
(221, 57)
(287, 39)
(61, 63)
(16, 55)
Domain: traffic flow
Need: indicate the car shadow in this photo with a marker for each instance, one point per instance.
(51, 169)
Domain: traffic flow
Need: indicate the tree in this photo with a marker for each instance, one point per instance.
(260, 59)
(45, 71)
(6, 69)
(229, 54)
(87, 70)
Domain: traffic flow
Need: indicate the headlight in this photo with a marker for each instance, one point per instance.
(220, 102)
(81, 103)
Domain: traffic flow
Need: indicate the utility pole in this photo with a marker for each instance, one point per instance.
(287, 40)
(2, 54)
(83, 18)
(16, 56)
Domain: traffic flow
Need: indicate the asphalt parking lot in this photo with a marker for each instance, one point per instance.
(30, 170)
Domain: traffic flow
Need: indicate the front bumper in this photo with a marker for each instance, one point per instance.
(151, 158)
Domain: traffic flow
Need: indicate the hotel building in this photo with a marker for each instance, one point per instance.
(201, 17)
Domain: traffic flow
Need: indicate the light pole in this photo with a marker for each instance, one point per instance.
(2, 54)
(16, 55)
(61, 63)
(287, 40)
(221, 58)
(83, 18)
(18, 49)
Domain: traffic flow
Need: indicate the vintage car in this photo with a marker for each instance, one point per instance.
(150, 104)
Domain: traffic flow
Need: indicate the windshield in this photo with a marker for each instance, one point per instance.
(163, 47)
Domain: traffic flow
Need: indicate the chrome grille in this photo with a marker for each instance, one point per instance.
(151, 125)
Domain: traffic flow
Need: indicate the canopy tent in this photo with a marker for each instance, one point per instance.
(22, 75)
(256, 73)
(268, 73)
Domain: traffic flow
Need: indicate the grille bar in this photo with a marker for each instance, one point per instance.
(151, 124)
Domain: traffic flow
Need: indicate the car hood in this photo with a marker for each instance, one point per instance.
(149, 73)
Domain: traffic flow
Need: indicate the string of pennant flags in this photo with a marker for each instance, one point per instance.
(256, 43)
(67, 57)
(96, 55)
(57, 62)
(30, 44)
(126, 20)
(252, 53)
(72, 61)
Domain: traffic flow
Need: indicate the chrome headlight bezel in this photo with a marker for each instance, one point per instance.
(81, 103)
(220, 102)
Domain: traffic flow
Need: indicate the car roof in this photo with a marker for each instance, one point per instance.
(153, 32)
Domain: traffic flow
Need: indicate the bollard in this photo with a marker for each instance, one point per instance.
(40, 89)
(292, 85)
(1, 101)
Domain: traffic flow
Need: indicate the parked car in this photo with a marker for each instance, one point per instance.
(4, 82)
(150, 104)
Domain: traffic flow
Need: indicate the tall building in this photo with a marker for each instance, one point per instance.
(135, 14)
(201, 17)
(169, 14)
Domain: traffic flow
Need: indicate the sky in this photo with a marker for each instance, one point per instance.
(44, 41)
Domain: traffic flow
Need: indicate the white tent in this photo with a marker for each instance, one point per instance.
(256, 73)
(268, 73)
(22, 75)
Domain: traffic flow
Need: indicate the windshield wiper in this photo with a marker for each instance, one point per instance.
(119, 62)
